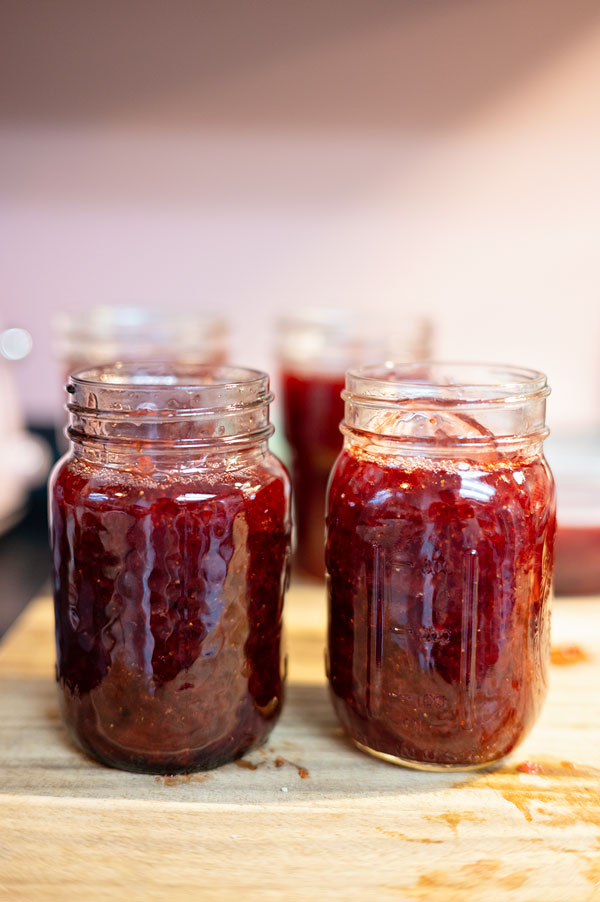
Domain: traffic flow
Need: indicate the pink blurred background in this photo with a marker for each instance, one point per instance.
(251, 158)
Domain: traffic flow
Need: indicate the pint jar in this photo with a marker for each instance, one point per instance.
(440, 534)
(170, 531)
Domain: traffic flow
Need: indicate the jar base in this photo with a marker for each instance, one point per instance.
(171, 769)
(420, 765)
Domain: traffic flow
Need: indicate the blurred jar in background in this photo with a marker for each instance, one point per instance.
(105, 334)
(315, 347)
(576, 464)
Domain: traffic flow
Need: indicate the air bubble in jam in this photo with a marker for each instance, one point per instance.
(439, 574)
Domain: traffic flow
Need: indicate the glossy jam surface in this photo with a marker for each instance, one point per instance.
(168, 598)
(439, 574)
(313, 409)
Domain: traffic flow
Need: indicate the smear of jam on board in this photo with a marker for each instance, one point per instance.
(567, 655)
(280, 761)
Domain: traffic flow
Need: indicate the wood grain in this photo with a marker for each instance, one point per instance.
(354, 828)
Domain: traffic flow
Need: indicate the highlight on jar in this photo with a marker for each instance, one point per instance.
(315, 347)
(439, 554)
(170, 532)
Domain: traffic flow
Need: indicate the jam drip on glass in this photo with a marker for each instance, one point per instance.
(168, 597)
(438, 579)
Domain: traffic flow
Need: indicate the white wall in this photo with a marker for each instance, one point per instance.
(434, 155)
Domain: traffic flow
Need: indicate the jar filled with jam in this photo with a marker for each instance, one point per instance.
(315, 348)
(440, 535)
(170, 530)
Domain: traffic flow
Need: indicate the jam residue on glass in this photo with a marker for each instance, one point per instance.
(439, 572)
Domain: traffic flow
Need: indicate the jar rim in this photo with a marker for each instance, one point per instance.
(164, 375)
(156, 390)
(137, 322)
(166, 403)
(439, 405)
(333, 339)
(353, 320)
(453, 381)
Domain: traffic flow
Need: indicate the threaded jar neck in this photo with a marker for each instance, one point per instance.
(169, 406)
(441, 406)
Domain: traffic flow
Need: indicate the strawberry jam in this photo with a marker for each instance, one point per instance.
(439, 560)
(169, 574)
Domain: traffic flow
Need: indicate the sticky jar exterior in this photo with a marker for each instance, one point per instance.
(439, 554)
(170, 533)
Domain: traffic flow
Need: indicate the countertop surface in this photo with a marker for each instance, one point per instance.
(308, 815)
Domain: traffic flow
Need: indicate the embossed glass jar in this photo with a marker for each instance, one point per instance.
(440, 534)
(170, 531)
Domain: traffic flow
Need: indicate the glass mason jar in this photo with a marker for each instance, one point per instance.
(440, 535)
(170, 531)
(104, 333)
(315, 348)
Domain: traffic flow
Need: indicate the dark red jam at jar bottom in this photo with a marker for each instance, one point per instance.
(168, 598)
(313, 409)
(438, 581)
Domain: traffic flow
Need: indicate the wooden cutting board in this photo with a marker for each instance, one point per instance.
(353, 828)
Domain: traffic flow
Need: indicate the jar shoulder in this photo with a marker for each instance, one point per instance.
(75, 482)
(380, 485)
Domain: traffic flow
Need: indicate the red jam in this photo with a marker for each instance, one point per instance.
(168, 596)
(313, 409)
(439, 573)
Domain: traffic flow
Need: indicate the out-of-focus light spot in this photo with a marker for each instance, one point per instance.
(15, 344)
